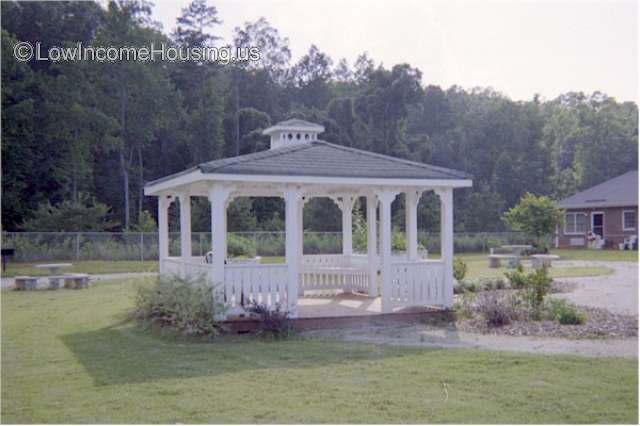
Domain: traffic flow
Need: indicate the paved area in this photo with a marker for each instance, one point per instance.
(616, 292)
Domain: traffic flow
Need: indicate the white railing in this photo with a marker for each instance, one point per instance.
(322, 260)
(262, 284)
(417, 283)
(322, 279)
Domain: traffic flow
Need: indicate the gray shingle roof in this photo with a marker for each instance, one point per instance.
(621, 191)
(323, 159)
(294, 124)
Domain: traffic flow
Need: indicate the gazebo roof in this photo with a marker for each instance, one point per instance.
(324, 159)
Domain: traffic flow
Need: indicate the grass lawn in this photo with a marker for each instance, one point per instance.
(478, 267)
(71, 357)
(602, 255)
(83, 266)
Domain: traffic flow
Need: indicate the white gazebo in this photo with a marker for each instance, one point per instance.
(298, 167)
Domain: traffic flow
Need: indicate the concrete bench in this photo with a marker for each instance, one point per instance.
(540, 260)
(76, 281)
(495, 260)
(26, 283)
(55, 281)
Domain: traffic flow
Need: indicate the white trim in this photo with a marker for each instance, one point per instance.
(174, 183)
(603, 216)
(624, 228)
(575, 222)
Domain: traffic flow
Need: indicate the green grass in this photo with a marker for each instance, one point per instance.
(83, 266)
(71, 357)
(600, 255)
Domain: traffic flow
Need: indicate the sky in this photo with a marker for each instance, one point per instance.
(519, 48)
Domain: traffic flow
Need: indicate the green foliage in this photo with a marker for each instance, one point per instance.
(146, 223)
(459, 269)
(517, 277)
(566, 313)
(496, 310)
(238, 246)
(106, 128)
(85, 214)
(536, 216)
(538, 286)
(398, 241)
(184, 305)
(272, 322)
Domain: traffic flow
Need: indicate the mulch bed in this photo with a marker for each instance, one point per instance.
(600, 324)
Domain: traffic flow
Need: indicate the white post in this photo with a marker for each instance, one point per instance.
(185, 230)
(301, 228)
(446, 242)
(347, 225)
(386, 198)
(293, 199)
(372, 244)
(218, 196)
(411, 223)
(164, 201)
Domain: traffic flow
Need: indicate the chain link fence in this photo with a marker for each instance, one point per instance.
(48, 246)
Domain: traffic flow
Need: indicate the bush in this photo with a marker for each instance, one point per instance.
(398, 242)
(185, 305)
(238, 246)
(538, 286)
(479, 284)
(274, 322)
(566, 313)
(517, 278)
(496, 310)
(459, 269)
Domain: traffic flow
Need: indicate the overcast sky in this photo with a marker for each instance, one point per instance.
(518, 48)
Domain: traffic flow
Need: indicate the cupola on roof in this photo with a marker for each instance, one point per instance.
(292, 132)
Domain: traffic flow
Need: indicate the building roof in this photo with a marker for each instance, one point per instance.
(323, 159)
(621, 191)
(294, 124)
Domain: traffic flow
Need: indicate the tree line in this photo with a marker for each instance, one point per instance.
(88, 135)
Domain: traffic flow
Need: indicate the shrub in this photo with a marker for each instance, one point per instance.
(183, 304)
(517, 278)
(459, 269)
(272, 321)
(566, 313)
(538, 286)
(497, 311)
(398, 242)
(240, 246)
(465, 286)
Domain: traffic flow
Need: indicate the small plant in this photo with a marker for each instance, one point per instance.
(183, 304)
(459, 269)
(538, 286)
(464, 307)
(496, 310)
(465, 286)
(517, 278)
(274, 322)
(566, 313)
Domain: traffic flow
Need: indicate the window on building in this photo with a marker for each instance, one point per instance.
(575, 223)
(629, 220)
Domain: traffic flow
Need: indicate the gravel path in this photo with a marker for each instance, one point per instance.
(616, 292)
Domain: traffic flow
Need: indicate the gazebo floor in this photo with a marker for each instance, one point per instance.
(345, 305)
(346, 310)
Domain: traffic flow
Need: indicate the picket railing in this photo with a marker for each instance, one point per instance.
(254, 283)
(417, 283)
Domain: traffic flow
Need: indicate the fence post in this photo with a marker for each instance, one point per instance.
(141, 246)
(77, 246)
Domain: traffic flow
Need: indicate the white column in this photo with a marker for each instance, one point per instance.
(347, 225)
(293, 199)
(301, 228)
(446, 241)
(164, 201)
(372, 244)
(411, 223)
(386, 198)
(218, 196)
(185, 229)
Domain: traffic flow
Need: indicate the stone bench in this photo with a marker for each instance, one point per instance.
(25, 282)
(495, 260)
(540, 260)
(76, 281)
(55, 281)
